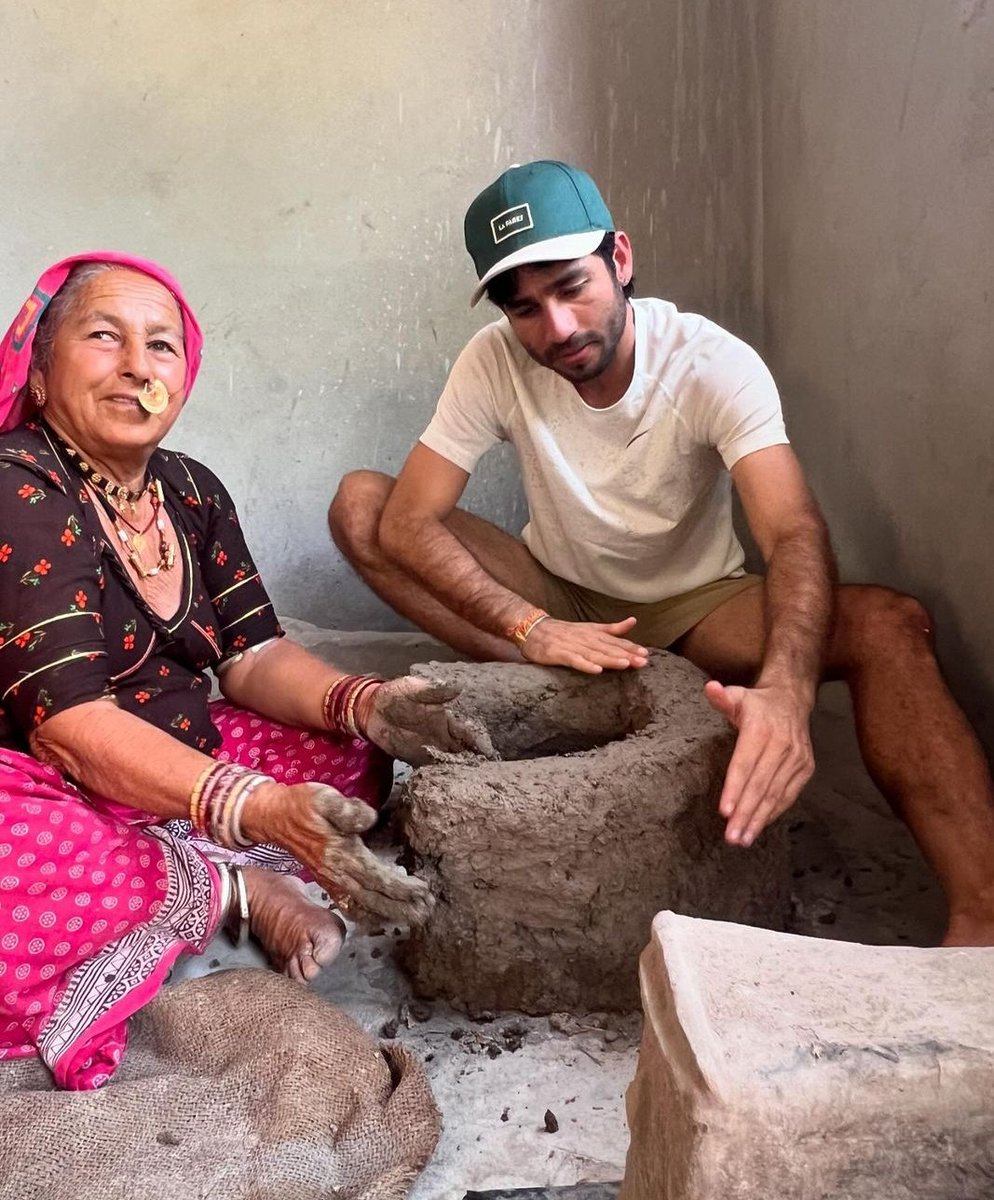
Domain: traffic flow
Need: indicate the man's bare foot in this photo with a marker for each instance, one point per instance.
(968, 929)
(299, 937)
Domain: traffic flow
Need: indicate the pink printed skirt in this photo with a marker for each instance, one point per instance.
(97, 900)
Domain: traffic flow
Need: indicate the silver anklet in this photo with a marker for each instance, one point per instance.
(237, 918)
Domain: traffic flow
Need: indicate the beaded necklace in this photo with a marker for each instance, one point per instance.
(167, 551)
(113, 491)
(115, 496)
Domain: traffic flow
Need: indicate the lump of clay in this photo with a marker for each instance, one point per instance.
(549, 865)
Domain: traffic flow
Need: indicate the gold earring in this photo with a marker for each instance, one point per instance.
(37, 394)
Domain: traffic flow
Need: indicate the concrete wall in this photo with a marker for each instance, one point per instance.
(878, 175)
(304, 168)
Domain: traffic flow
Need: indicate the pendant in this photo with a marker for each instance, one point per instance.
(154, 398)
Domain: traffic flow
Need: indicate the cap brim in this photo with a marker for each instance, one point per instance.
(557, 249)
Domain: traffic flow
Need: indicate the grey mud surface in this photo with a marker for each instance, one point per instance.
(622, 826)
(857, 876)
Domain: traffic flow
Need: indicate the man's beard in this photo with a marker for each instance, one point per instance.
(606, 341)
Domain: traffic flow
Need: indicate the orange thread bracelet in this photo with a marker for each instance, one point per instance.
(518, 633)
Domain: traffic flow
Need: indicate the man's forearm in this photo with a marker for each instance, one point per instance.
(800, 599)
(439, 561)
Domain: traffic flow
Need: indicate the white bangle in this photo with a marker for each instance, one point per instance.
(225, 663)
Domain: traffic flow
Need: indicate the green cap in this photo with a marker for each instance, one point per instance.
(540, 212)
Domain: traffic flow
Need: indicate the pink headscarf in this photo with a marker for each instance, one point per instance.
(15, 349)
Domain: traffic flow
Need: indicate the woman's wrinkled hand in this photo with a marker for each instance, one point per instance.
(408, 718)
(321, 828)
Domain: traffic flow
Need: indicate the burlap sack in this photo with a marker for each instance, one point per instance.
(237, 1086)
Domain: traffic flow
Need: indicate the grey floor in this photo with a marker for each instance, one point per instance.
(538, 1104)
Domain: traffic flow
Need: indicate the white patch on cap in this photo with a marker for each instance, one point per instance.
(511, 221)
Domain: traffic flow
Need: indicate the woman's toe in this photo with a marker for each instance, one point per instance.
(326, 946)
(310, 968)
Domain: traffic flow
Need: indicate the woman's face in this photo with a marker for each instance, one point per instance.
(125, 332)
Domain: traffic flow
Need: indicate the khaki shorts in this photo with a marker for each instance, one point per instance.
(660, 623)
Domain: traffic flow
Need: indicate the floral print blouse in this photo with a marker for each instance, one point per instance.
(74, 628)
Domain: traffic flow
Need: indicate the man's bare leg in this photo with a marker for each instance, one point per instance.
(354, 519)
(918, 746)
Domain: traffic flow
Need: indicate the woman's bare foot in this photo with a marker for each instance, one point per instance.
(299, 937)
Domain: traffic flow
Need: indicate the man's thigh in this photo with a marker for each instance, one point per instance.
(504, 558)
(661, 623)
(728, 643)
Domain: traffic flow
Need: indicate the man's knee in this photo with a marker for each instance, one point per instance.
(874, 621)
(354, 515)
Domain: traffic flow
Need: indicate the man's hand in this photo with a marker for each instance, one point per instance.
(584, 646)
(772, 761)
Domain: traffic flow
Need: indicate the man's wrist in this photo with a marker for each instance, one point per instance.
(519, 631)
(802, 692)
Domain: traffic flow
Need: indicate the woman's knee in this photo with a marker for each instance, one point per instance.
(354, 514)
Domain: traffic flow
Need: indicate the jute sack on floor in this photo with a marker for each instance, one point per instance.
(237, 1086)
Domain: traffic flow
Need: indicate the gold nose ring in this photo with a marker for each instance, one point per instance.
(154, 397)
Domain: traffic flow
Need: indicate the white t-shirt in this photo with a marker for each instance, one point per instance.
(633, 500)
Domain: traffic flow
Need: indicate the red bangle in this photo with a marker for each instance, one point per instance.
(341, 700)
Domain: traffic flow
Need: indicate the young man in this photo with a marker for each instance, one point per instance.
(631, 420)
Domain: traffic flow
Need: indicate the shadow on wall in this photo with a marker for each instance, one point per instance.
(878, 168)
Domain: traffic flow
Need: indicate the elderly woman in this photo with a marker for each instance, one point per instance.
(136, 818)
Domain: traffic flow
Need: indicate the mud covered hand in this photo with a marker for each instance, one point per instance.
(322, 828)
(408, 717)
(772, 760)
(584, 646)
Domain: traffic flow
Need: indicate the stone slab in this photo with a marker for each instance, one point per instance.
(549, 863)
(778, 1065)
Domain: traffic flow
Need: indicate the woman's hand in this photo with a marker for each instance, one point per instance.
(321, 827)
(407, 718)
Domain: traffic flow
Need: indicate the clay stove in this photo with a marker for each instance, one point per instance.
(597, 810)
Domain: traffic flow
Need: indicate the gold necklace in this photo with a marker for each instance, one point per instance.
(113, 491)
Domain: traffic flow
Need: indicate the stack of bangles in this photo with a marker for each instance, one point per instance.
(217, 800)
(341, 703)
(519, 633)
